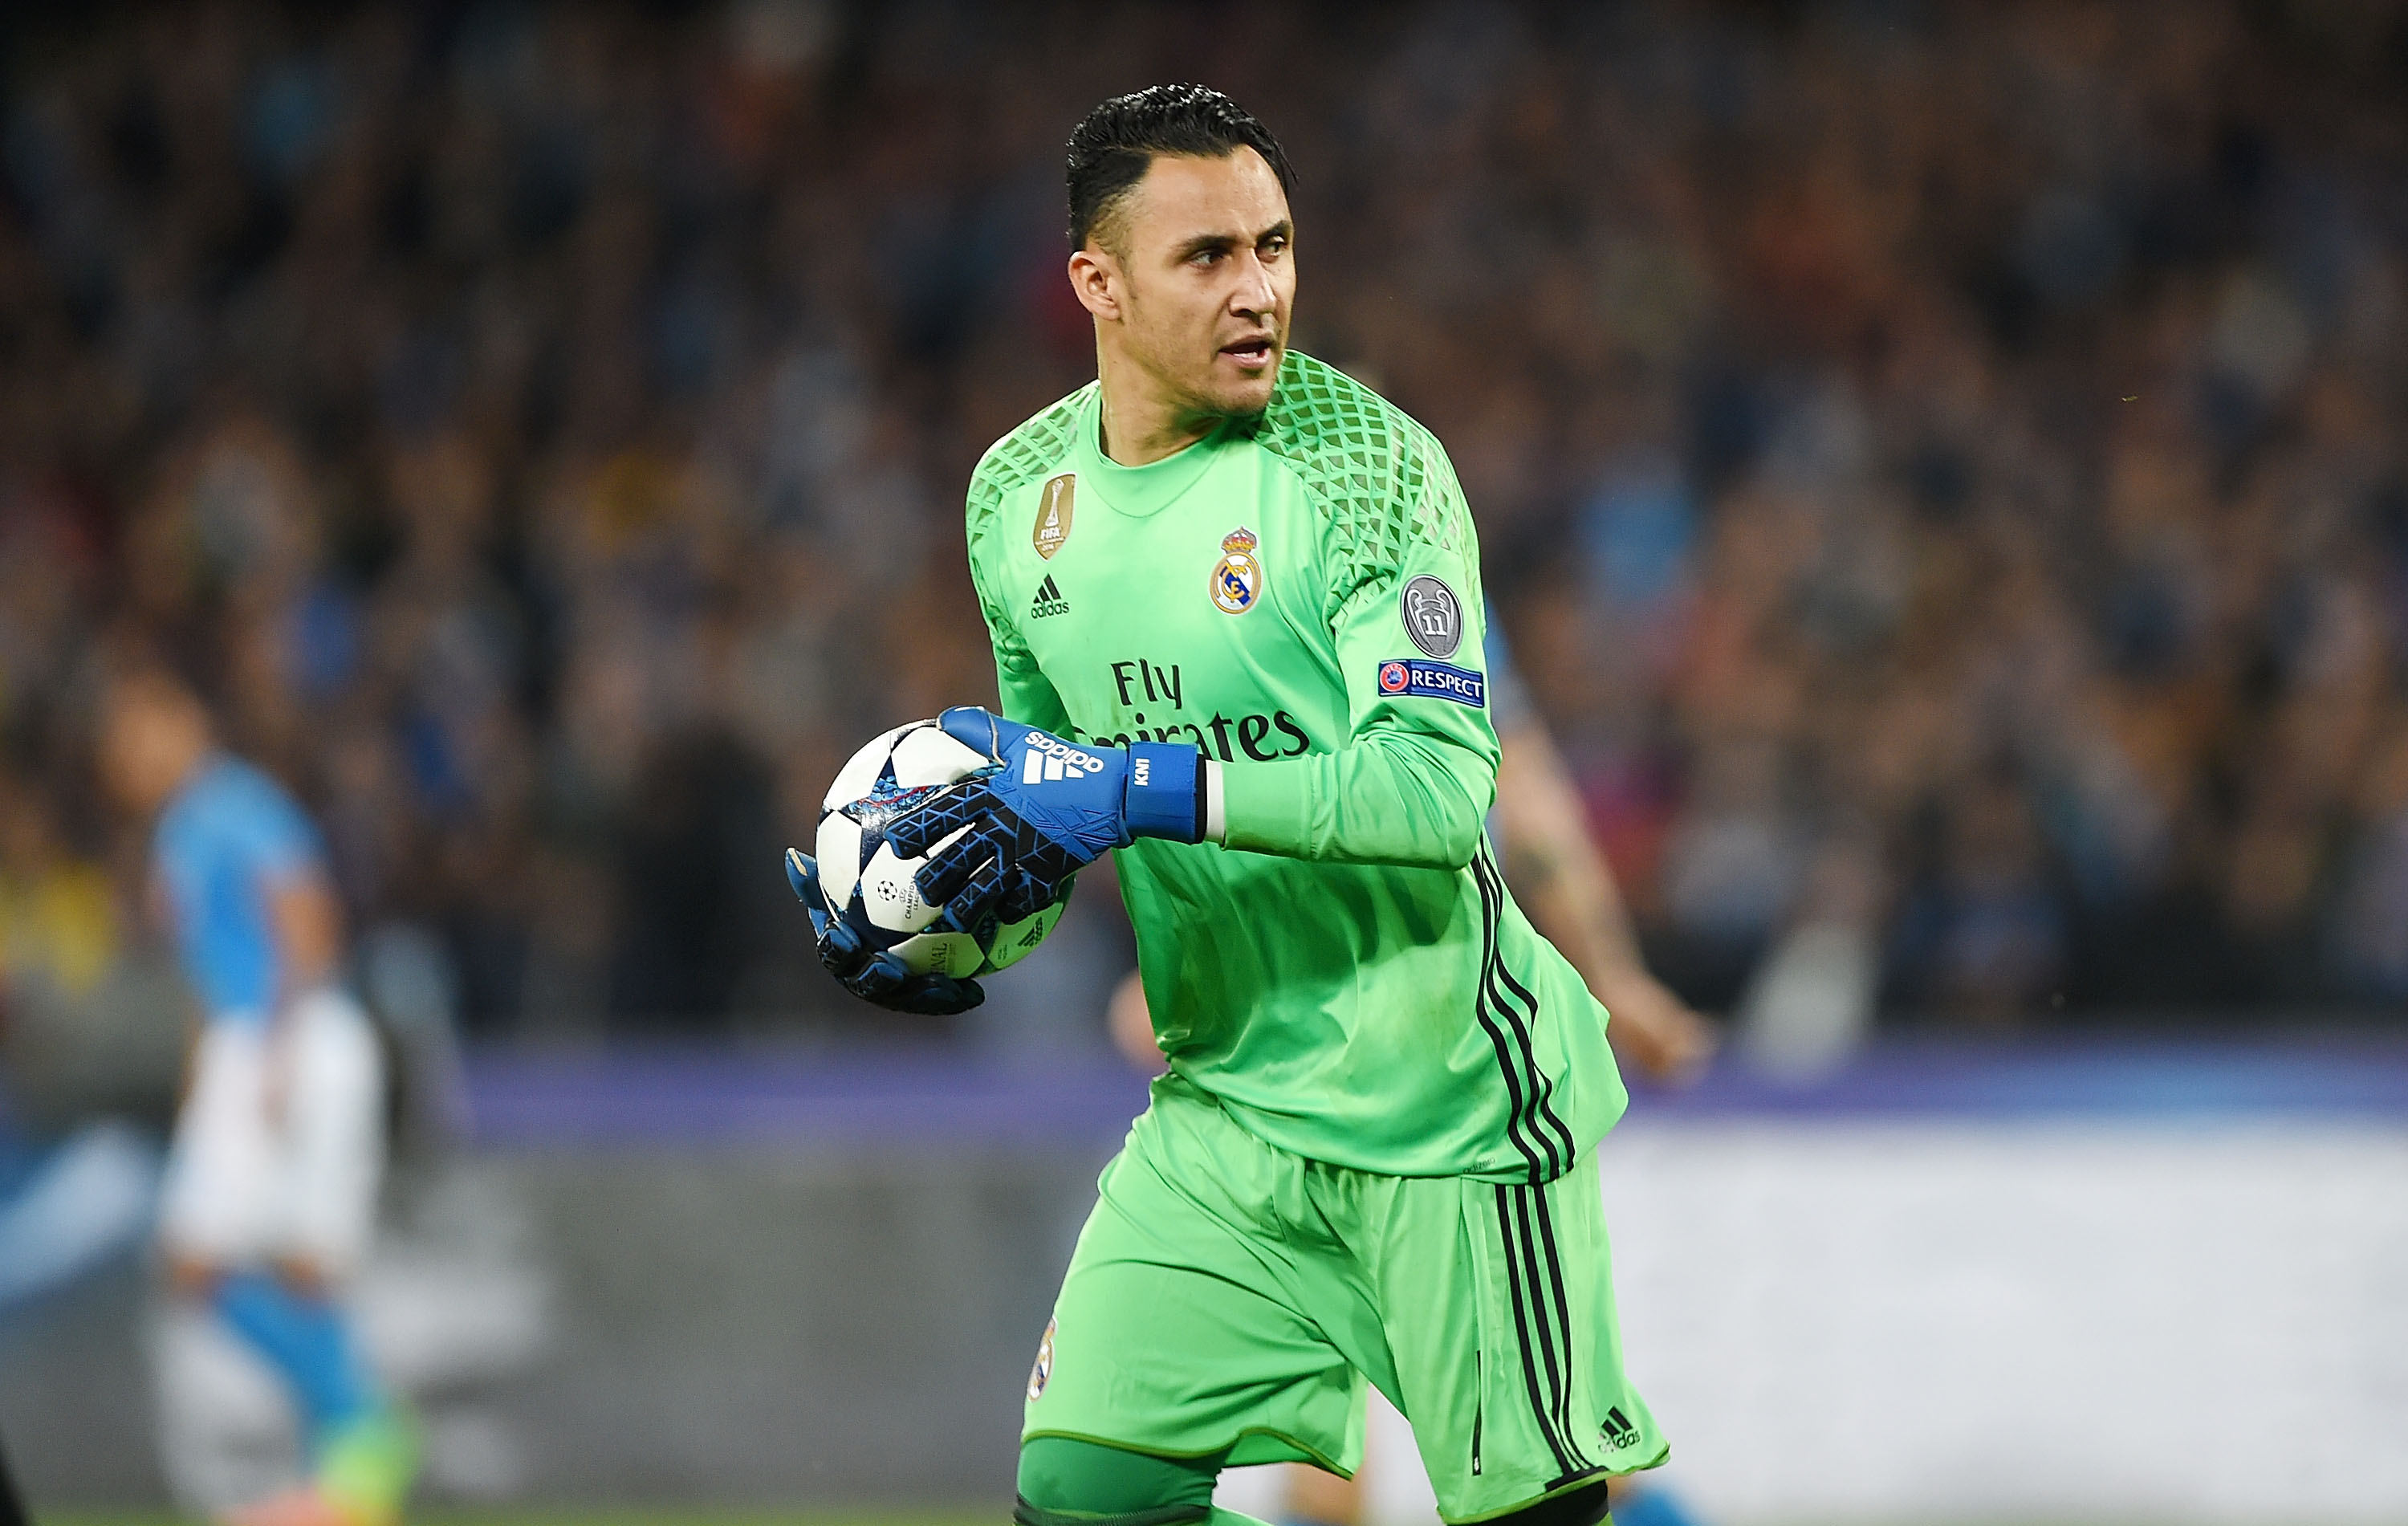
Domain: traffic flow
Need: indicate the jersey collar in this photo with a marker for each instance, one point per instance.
(1139, 490)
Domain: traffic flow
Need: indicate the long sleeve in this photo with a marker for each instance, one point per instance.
(1413, 780)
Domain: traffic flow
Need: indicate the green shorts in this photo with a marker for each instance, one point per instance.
(1228, 1297)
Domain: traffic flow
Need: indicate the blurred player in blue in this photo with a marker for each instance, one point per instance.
(272, 1175)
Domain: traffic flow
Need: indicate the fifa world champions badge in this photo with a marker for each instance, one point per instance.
(1238, 581)
(1055, 502)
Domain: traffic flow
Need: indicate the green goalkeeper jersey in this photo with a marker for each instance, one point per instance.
(1299, 594)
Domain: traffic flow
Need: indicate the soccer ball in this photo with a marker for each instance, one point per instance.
(875, 889)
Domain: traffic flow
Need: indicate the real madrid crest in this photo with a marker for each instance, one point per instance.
(1055, 502)
(1238, 581)
(1044, 1368)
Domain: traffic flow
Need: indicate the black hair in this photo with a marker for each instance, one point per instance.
(1114, 146)
(192, 667)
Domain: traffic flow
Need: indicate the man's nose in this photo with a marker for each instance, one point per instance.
(1253, 296)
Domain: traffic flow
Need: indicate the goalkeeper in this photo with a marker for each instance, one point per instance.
(1235, 603)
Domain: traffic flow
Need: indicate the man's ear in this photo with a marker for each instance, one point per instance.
(1095, 280)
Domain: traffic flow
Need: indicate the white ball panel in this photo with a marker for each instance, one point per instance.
(859, 867)
(929, 756)
(838, 846)
(860, 772)
(890, 894)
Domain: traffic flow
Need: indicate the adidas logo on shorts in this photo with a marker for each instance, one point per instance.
(1617, 1430)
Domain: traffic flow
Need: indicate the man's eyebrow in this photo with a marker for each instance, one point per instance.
(1202, 242)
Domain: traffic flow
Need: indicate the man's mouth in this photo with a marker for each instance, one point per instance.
(1254, 352)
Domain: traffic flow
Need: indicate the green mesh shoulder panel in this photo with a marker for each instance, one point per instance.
(1381, 480)
(1033, 451)
(1028, 454)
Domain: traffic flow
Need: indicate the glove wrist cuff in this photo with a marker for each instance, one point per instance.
(1166, 791)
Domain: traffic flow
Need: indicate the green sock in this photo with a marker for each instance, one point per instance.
(368, 1465)
(1064, 1481)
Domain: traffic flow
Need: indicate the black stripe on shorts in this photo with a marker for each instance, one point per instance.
(1548, 1403)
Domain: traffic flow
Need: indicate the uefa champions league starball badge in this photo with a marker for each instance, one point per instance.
(1238, 581)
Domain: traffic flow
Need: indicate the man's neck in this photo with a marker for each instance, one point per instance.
(1140, 424)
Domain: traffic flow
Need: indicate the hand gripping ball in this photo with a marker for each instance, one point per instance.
(875, 889)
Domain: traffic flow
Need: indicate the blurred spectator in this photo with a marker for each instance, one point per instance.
(89, 1045)
(1967, 431)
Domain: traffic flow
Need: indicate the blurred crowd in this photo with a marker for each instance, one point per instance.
(1940, 464)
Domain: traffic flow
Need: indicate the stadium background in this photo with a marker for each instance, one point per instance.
(1942, 467)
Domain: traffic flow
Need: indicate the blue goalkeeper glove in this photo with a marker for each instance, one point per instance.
(878, 978)
(1044, 811)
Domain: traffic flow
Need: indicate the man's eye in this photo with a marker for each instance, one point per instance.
(1204, 256)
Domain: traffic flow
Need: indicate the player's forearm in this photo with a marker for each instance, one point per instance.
(307, 924)
(1563, 916)
(1552, 867)
(1572, 905)
(1567, 888)
(1396, 798)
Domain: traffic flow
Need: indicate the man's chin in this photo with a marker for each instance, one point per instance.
(1241, 394)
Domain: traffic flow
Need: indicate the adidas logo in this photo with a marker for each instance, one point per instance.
(1617, 1430)
(1049, 759)
(1049, 601)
